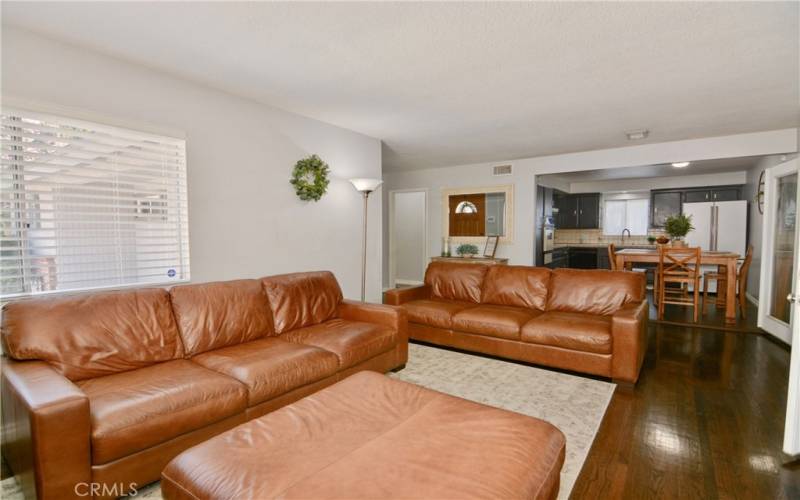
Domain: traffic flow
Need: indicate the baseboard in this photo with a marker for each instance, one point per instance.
(752, 299)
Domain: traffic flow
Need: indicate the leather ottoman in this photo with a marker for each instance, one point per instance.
(370, 436)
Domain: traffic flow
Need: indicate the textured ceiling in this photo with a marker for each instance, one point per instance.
(452, 83)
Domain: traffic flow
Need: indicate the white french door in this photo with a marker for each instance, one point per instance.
(779, 297)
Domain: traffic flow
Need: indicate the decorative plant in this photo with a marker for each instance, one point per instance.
(310, 178)
(678, 226)
(651, 239)
(467, 249)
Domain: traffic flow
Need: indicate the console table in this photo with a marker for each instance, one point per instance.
(489, 261)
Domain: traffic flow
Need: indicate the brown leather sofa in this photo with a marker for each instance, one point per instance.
(107, 388)
(583, 320)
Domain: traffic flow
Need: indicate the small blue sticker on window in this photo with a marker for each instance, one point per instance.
(171, 273)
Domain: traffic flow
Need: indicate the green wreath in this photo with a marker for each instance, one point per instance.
(310, 178)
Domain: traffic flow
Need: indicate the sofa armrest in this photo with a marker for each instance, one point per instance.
(397, 296)
(46, 430)
(629, 340)
(395, 318)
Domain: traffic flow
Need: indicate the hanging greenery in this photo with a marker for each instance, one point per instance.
(310, 178)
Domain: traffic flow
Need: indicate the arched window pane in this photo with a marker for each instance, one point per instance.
(466, 207)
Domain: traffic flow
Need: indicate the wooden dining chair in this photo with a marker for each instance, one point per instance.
(612, 259)
(721, 277)
(680, 266)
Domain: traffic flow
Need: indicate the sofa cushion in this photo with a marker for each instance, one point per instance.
(352, 341)
(494, 321)
(594, 292)
(575, 331)
(91, 335)
(302, 299)
(270, 367)
(437, 313)
(135, 410)
(520, 286)
(215, 315)
(454, 281)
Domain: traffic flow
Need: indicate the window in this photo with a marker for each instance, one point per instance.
(84, 205)
(626, 214)
(466, 207)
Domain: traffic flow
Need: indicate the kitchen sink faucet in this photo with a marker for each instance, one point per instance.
(623, 235)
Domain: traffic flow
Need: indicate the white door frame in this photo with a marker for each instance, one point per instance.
(425, 249)
(765, 321)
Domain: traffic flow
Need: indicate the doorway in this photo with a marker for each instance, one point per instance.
(408, 236)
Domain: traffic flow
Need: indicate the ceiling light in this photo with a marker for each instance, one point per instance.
(635, 135)
(681, 164)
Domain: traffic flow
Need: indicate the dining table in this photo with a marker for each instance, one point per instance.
(627, 256)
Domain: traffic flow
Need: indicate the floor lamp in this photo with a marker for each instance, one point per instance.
(365, 187)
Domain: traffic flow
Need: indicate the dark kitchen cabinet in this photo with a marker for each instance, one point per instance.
(726, 194)
(588, 211)
(567, 212)
(696, 196)
(583, 258)
(662, 205)
(578, 211)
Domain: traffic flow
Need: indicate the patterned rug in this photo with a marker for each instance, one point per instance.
(575, 405)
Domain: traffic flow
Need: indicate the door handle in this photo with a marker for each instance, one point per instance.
(791, 298)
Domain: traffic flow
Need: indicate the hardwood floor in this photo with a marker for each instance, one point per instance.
(705, 420)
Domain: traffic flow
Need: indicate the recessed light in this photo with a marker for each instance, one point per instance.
(681, 164)
(636, 135)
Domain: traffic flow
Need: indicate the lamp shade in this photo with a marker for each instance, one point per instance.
(366, 185)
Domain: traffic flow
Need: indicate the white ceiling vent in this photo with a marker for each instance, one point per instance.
(501, 170)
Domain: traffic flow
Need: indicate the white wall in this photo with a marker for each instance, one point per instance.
(408, 240)
(244, 218)
(521, 251)
(437, 179)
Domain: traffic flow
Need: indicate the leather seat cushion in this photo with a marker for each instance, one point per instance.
(455, 281)
(495, 321)
(352, 341)
(94, 334)
(594, 291)
(302, 299)
(568, 330)
(437, 313)
(521, 286)
(370, 437)
(270, 367)
(137, 409)
(216, 315)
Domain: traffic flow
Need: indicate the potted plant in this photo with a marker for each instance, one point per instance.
(651, 239)
(678, 226)
(467, 250)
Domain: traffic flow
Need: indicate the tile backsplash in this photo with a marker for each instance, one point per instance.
(596, 236)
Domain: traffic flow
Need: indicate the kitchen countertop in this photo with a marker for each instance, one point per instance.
(599, 245)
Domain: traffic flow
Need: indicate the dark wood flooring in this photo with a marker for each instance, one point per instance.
(705, 420)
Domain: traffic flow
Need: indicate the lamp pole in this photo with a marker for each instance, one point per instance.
(365, 187)
(365, 195)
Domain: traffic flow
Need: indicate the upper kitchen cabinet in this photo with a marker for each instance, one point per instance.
(664, 203)
(577, 211)
(589, 211)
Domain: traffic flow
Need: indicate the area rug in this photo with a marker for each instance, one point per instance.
(575, 405)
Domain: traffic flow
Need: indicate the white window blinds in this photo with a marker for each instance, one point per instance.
(626, 214)
(85, 205)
